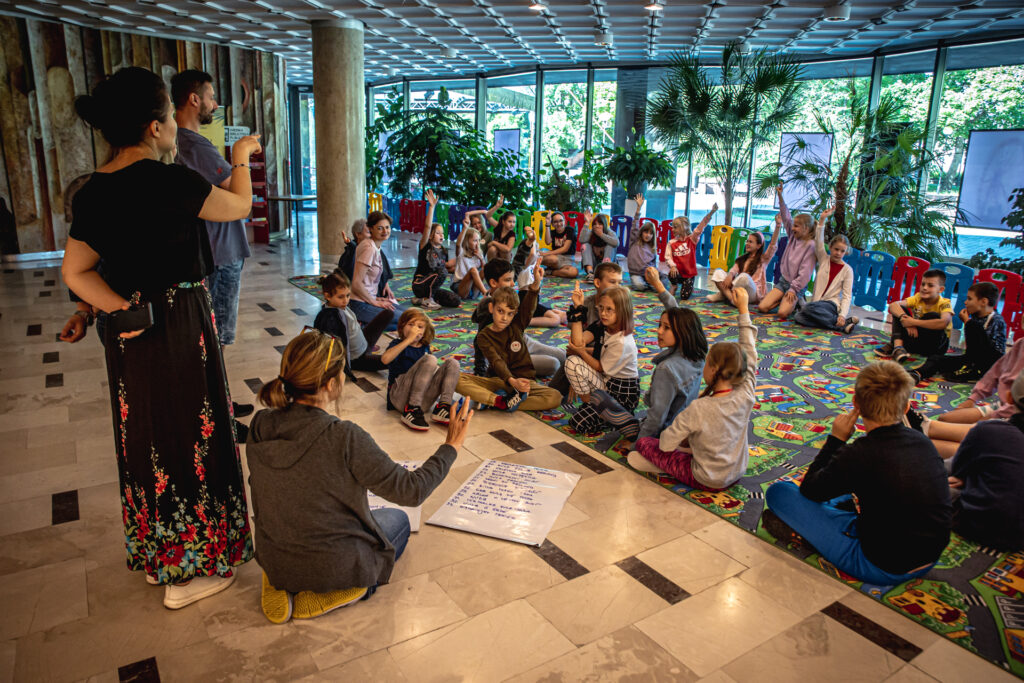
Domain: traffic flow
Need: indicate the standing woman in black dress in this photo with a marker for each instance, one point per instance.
(184, 509)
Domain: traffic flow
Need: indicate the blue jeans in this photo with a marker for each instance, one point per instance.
(823, 314)
(224, 283)
(365, 313)
(832, 531)
(640, 284)
(395, 525)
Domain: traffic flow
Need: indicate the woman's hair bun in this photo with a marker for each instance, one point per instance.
(86, 107)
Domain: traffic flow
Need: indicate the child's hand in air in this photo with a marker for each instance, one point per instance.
(652, 276)
(778, 189)
(577, 295)
(538, 276)
(639, 199)
(742, 297)
(778, 220)
(714, 207)
(828, 212)
(431, 198)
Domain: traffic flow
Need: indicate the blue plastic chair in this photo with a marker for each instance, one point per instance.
(704, 248)
(873, 280)
(621, 225)
(853, 257)
(776, 270)
(958, 278)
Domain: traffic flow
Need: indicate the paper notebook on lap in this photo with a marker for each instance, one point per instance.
(504, 500)
(376, 502)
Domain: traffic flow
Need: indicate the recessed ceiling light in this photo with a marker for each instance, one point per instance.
(654, 7)
(538, 7)
(602, 37)
(837, 13)
(449, 53)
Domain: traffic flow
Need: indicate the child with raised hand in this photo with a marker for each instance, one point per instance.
(527, 255)
(475, 218)
(706, 444)
(984, 335)
(829, 307)
(320, 545)
(795, 265)
(922, 322)
(901, 521)
(643, 249)
(749, 269)
(504, 346)
(432, 266)
(681, 252)
(415, 381)
(469, 263)
(504, 242)
(337, 320)
(595, 237)
(606, 379)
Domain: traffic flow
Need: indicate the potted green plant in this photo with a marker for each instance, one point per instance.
(586, 190)
(635, 168)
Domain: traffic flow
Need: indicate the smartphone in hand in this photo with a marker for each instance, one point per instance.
(138, 317)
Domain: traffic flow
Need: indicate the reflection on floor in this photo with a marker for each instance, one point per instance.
(635, 581)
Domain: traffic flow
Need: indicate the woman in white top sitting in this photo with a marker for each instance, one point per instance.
(829, 308)
(370, 274)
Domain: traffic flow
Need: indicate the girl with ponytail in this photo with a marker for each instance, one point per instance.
(706, 444)
(319, 544)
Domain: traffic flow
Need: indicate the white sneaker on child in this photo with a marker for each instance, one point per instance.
(429, 305)
(715, 298)
(642, 464)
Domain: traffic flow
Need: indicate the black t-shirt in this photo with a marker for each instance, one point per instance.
(432, 260)
(557, 240)
(143, 221)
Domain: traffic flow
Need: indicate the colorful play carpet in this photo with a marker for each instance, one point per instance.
(805, 376)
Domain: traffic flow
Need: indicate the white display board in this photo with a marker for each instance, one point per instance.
(993, 169)
(376, 502)
(816, 147)
(508, 501)
(233, 134)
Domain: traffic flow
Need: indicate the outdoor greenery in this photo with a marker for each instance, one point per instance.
(1014, 220)
(719, 118)
(875, 185)
(588, 190)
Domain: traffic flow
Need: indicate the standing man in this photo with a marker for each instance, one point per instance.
(194, 104)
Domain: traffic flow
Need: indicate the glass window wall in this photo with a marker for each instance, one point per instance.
(461, 95)
(565, 116)
(511, 114)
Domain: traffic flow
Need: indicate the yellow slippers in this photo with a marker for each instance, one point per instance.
(309, 604)
(276, 604)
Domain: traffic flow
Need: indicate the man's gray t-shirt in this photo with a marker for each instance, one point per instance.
(227, 240)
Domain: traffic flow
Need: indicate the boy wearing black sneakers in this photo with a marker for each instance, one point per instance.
(984, 338)
(921, 323)
(503, 344)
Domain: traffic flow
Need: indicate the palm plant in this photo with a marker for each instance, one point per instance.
(634, 168)
(719, 120)
(875, 186)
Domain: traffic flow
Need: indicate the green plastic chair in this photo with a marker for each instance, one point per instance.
(441, 216)
(738, 244)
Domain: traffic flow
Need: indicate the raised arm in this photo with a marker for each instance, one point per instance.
(819, 235)
(653, 278)
(747, 335)
(234, 203)
(704, 222)
(787, 219)
(489, 214)
(431, 203)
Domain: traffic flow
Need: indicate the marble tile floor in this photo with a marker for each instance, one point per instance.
(633, 581)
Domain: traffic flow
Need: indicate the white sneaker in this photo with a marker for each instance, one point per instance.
(642, 464)
(429, 304)
(416, 301)
(178, 596)
(715, 298)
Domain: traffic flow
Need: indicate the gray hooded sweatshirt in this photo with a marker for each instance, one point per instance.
(309, 473)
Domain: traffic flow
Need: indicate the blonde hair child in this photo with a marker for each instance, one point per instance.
(796, 265)
(415, 381)
(681, 252)
(469, 264)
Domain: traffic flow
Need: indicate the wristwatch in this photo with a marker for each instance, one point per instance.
(87, 316)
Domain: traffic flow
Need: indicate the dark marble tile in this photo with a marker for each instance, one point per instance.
(657, 583)
(590, 462)
(280, 349)
(266, 307)
(45, 293)
(264, 263)
(876, 633)
(560, 560)
(55, 380)
(51, 357)
(274, 332)
(37, 273)
(143, 671)
(49, 283)
(513, 442)
(65, 507)
(366, 385)
(299, 311)
(254, 384)
(34, 330)
(8, 270)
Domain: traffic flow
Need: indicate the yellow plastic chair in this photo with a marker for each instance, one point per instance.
(721, 235)
(375, 200)
(539, 223)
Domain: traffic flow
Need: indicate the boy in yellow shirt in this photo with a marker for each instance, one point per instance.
(921, 323)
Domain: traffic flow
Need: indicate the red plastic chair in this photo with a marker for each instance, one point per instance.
(663, 235)
(907, 276)
(576, 221)
(405, 216)
(1009, 285)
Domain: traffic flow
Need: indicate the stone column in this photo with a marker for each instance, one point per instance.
(340, 118)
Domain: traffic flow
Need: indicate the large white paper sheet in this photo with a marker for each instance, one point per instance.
(376, 502)
(508, 501)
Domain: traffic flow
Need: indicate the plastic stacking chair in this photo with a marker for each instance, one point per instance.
(441, 216)
(405, 215)
(958, 278)
(375, 201)
(874, 280)
(621, 226)
(738, 244)
(539, 222)
(1009, 285)
(704, 249)
(907, 276)
(774, 269)
(853, 255)
(662, 236)
(720, 236)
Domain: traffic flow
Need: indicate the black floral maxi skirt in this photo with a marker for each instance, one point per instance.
(183, 500)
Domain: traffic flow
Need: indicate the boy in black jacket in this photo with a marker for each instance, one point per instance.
(900, 482)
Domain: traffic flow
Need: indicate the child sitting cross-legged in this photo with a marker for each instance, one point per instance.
(921, 323)
(749, 269)
(901, 521)
(546, 359)
(320, 545)
(643, 249)
(605, 379)
(681, 252)
(796, 265)
(432, 266)
(504, 346)
(469, 262)
(336, 319)
(984, 335)
(415, 381)
(829, 308)
(595, 239)
(705, 446)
